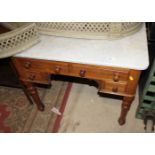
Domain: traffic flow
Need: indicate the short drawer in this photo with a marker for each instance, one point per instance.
(113, 88)
(41, 65)
(35, 77)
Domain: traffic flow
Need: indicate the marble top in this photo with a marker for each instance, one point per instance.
(129, 52)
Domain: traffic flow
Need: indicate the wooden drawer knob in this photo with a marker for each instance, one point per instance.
(32, 77)
(116, 77)
(82, 73)
(57, 69)
(115, 89)
(27, 65)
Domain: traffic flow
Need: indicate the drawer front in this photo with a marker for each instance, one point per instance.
(93, 72)
(113, 88)
(42, 66)
(35, 77)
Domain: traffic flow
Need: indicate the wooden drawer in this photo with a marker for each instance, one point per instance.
(113, 87)
(35, 77)
(98, 72)
(41, 65)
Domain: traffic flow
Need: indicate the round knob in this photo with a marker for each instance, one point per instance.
(116, 77)
(32, 77)
(57, 69)
(115, 89)
(27, 65)
(82, 73)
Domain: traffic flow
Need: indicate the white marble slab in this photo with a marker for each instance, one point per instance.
(129, 52)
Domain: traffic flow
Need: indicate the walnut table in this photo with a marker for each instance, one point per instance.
(115, 65)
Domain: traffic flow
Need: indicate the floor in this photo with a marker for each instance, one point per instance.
(86, 111)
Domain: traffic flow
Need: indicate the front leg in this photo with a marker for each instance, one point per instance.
(127, 101)
(33, 92)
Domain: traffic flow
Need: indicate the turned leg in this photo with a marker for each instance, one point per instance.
(33, 92)
(27, 94)
(127, 101)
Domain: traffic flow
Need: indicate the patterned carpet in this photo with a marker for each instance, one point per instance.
(18, 115)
